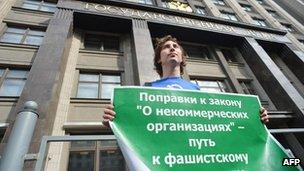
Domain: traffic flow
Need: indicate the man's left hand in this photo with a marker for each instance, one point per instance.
(263, 115)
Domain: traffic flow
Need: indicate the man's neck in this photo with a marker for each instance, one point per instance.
(171, 72)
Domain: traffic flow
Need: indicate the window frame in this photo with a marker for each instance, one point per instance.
(202, 46)
(261, 2)
(41, 4)
(247, 87)
(288, 27)
(4, 77)
(200, 10)
(82, 47)
(245, 7)
(100, 83)
(96, 149)
(260, 22)
(230, 50)
(229, 16)
(273, 13)
(25, 35)
(225, 89)
(142, 2)
(219, 2)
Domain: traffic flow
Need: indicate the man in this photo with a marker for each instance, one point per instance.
(169, 62)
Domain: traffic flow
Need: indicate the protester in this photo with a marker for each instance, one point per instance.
(169, 62)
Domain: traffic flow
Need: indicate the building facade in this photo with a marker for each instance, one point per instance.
(67, 55)
(293, 8)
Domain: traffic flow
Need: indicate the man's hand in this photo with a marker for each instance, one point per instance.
(108, 115)
(263, 115)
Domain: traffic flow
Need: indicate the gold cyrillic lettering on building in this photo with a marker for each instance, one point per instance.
(179, 20)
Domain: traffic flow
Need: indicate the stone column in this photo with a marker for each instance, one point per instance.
(271, 77)
(59, 152)
(5, 7)
(212, 8)
(45, 78)
(235, 85)
(144, 53)
(286, 15)
(294, 59)
(278, 87)
(275, 23)
(239, 11)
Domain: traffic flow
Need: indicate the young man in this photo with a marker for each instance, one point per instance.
(169, 62)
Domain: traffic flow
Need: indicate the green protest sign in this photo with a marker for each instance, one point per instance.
(161, 129)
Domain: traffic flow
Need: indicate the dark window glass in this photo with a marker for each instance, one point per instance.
(219, 2)
(288, 27)
(91, 155)
(111, 160)
(247, 87)
(2, 132)
(273, 13)
(259, 22)
(101, 42)
(246, 7)
(81, 160)
(228, 55)
(260, 1)
(197, 51)
(200, 10)
(228, 16)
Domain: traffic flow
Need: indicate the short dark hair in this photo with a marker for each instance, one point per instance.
(158, 48)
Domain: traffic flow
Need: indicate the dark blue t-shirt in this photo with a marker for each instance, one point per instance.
(174, 82)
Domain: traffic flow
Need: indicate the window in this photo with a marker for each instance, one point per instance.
(259, 22)
(176, 5)
(97, 85)
(39, 5)
(200, 10)
(149, 2)
(95, 155)
(229, 16)
(218, 2)
(288, 27)
(211, 85)
(12, 82)
(246, 7)
(273, 13)
(197, 51)
(260, 1)
(247, 87)
(229, 55)
(22, 36)
(101, 42)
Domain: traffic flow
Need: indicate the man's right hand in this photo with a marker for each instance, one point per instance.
(108, 115)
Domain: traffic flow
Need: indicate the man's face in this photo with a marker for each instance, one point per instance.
(171, 53)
